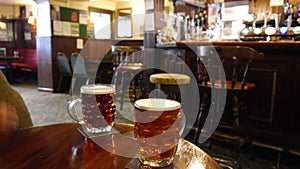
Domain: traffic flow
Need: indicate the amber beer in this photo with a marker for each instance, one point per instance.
(98, 107)
(156, 129)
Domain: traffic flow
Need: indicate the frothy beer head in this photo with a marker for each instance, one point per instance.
(97, 89)
(155, 104)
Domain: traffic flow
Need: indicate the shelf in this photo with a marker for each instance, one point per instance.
(196, 3)
(293, 31)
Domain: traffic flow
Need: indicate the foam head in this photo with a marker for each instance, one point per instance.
(97, 89)
(157, 104)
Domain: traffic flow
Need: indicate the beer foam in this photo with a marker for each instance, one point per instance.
(97, 89)
(157, 104)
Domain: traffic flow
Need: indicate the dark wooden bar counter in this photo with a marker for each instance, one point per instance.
(274, 106)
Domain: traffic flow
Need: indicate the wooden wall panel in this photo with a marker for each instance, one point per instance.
(45, 79)
(265, 80)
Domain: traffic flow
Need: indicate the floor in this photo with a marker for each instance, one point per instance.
(51, 108)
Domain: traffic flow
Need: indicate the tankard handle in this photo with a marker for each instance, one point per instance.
(182, 119)
(72, 110)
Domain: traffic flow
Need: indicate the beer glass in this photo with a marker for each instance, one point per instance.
(98, 108)
(157, 127)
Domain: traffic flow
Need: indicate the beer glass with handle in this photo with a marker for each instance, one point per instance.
(98, 107)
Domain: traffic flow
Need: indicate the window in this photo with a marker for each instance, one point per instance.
(6, 31)
(102, 23)
(124, 23)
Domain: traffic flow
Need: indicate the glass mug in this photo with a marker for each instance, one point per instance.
(158, 124)
(98, 108)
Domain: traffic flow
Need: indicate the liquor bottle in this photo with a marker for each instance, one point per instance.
(200, 20)
(187, 27)
(204, 20)
(192, 26)
(198, 28)
(180, 27)
(297, 17)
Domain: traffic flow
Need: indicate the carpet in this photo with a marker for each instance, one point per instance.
(44, 107)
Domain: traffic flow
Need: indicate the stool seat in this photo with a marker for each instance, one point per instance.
(170, 79)
(131, 67)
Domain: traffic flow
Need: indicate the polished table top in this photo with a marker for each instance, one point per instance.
(63, 146)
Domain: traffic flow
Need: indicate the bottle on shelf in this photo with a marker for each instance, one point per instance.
(297, 17)
(204, 20)
(187, 27)
(192, 26)
(198, 28)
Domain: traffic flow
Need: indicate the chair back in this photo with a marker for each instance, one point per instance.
(78, 65)
(234, 61)
(63, 64)
(74, 57)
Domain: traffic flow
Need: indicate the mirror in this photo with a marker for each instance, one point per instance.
(124, 29)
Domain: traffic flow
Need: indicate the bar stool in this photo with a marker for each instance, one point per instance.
(171, 79)
(174, 86)
(231, 60)
(127, 63)
(168, 83)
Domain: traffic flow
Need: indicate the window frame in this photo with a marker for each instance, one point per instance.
(122, 14)
(105, 11)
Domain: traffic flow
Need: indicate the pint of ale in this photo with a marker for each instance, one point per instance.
(98, 107)
(156, 129)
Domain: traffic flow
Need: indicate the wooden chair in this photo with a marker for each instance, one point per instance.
(224, 69)
(74, 57)
(65, 73)
(127, 63)
(79, 73)
(105, 69)
(78, 65)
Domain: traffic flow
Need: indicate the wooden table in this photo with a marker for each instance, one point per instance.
(9, 60)
(62, 146)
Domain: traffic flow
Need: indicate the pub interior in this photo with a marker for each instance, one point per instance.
(234, 68)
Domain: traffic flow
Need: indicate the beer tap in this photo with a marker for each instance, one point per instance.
(287, 9)
(265, 20)
(254, 20)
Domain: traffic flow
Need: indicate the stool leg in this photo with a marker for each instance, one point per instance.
(157, 87)
(141, 86)
(236, 123)
(59, 83)
(122, 90)
(134, 88)
(202, 110)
